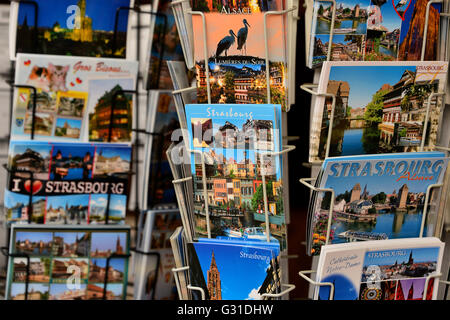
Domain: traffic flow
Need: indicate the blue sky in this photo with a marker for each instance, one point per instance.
(73, 200)
(109, 152)
(20, 147)
(239, 276)
(256, 67)
(12, 198)
(17, 288)
(75, 151)
(419, 255)
(69, 237)
(117, 203)
(98, 87)
(116, 288)
(351, 3)
(34, 236)
(56, 11)
(72, 122)
(391, 20)
(117, 264)
(366, 81)
(107, 240)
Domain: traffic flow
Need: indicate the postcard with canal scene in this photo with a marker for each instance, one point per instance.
(71, 263)
(236, 141)
(376, 197)
(383, 270)
(382, 107)
(236, 58)
(70, 27)
(377, 30)
(69, 105)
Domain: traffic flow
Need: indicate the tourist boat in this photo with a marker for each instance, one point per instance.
(361, 235)
(257, 233)
(344, 30)
(233, 233)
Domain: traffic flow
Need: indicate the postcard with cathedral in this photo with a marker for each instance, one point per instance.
(74, 98)
(235, 141)
(380, 107)
(377, 197)
(57, 254)
(382, 270)
(236, 58)
(376, 30)
(67, 183)
(233, 271)
(70, 28)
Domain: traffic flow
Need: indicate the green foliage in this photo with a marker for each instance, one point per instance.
(379, 198)
(346, 196)
(374, 110)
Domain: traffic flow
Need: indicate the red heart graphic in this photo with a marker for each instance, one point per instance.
(72, 84)
(27, 63)
(79, 80)
(37, 186)
(401, 16)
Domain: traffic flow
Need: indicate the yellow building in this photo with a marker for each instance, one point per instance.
(83, 25)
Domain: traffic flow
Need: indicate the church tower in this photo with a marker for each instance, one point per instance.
(119, 249)
(214, 285)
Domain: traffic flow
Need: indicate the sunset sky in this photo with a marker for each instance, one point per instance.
(218, 26)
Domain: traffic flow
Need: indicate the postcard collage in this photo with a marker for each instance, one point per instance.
(373, 30)
(375, 129)
(381, 270)
(70, 150)
(68, 263)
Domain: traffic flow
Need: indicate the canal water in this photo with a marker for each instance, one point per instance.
(388, 52)
(352, 143)
(394, 225)
(323, 26)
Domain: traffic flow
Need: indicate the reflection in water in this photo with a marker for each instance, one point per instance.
(394, 225)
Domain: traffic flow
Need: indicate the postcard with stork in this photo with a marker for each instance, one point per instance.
(236, 51)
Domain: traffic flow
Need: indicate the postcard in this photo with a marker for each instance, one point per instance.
(234, 140)
(70, 28)
(105, 95)
(381, 107)
(374, 30)
(36, 291)
(383, 270)
(68, 263)
(163, 121)
(241, 7)
(71, 181)
(232, 272)
(71, 244)
(236, 59)
(376, 197)
(164, 46)
(67, 96)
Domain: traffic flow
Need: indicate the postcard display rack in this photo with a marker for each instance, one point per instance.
(442, 203)
(181, 95)
(140, 204)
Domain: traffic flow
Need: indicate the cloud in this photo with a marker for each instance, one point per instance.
(99, 202)
(254, 295)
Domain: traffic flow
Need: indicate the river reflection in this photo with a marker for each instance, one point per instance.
(394, 225)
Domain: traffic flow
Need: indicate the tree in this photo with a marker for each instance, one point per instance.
(320, 12)
(379, 198)
(258, 196)
(374, 110)
(229, 80)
